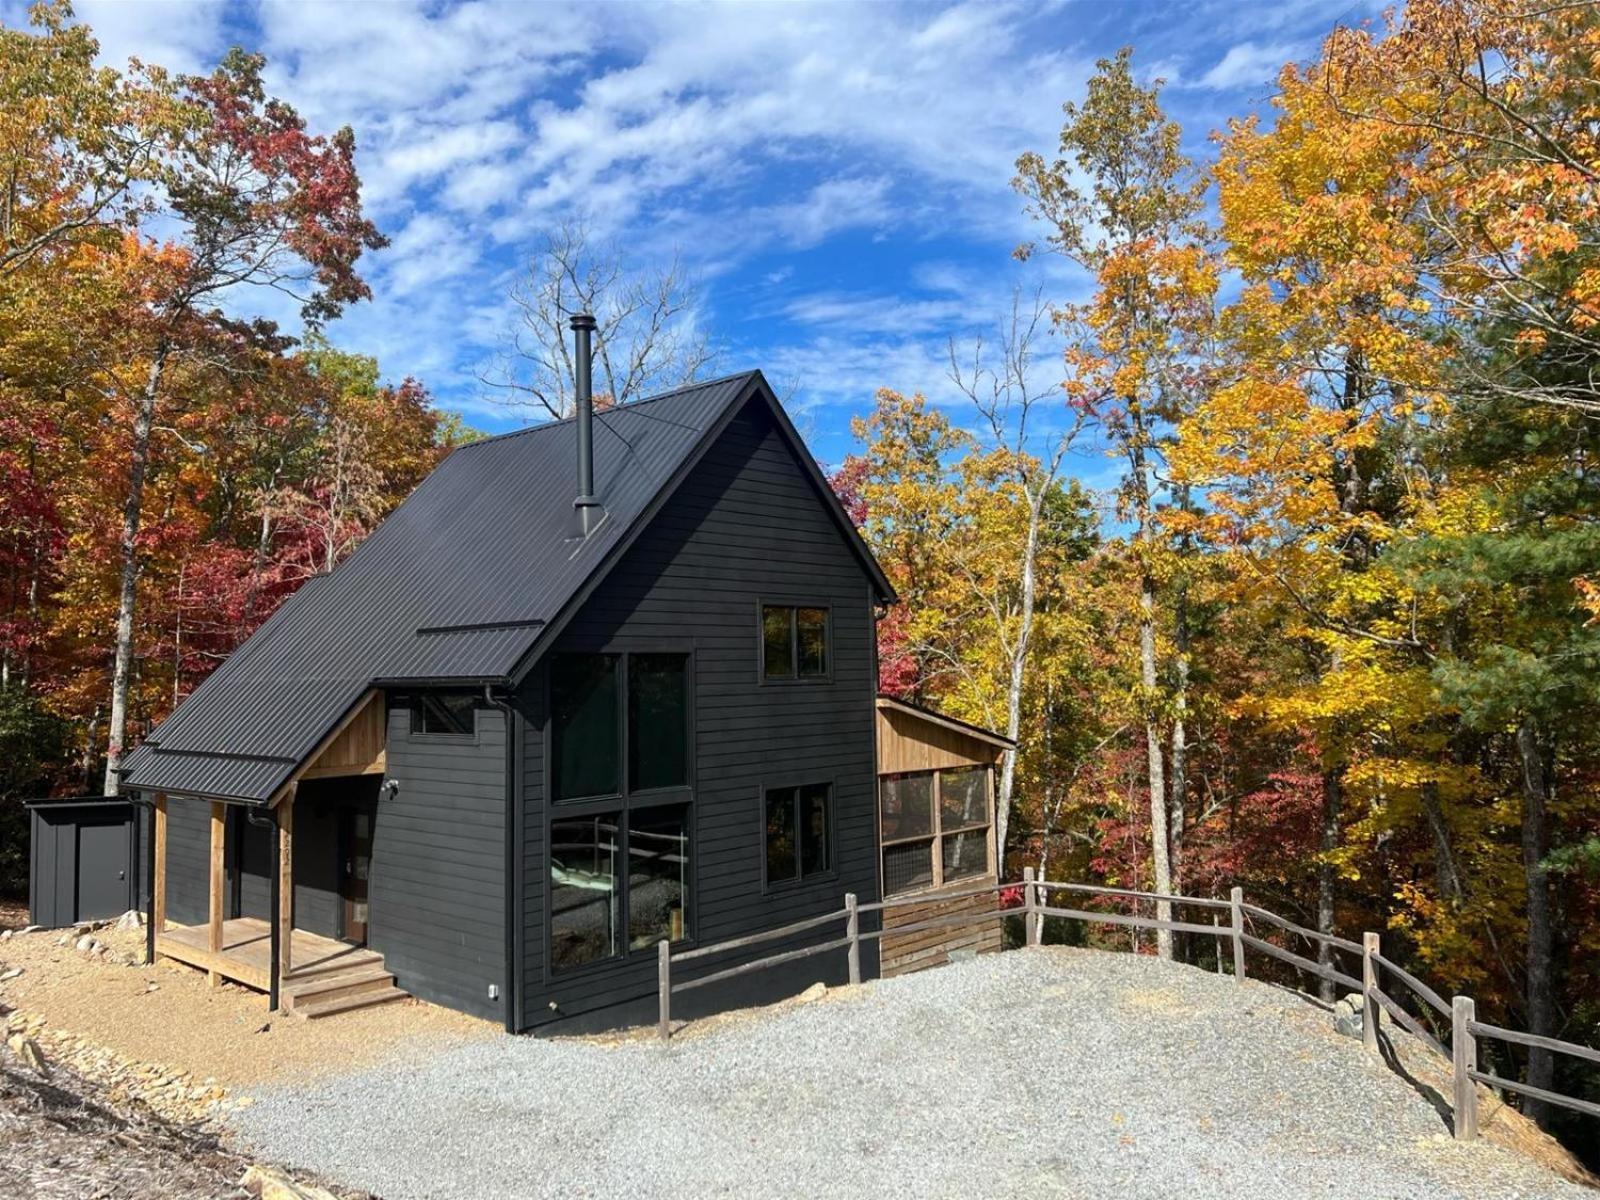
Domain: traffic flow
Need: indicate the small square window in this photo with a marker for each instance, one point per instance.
(451, 713)
(794, 642)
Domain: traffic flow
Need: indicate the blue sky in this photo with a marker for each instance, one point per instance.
(835, 176)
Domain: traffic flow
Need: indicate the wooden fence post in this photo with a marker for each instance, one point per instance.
(1029, 902)
(1464, 1059)
(1369, 992)
(852, 930)
(1216, 923)
(664, 989)
(1236, 910)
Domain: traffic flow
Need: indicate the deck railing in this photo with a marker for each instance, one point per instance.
(1459, 1013)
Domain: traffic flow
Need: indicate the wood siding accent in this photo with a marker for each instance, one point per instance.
(437, 887)
(907, 742)
(746, 526)
(932, 947)
(357, 747)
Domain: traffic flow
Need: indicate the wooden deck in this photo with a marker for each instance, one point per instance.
(246, 951)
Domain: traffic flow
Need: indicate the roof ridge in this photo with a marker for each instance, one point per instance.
(628, 407)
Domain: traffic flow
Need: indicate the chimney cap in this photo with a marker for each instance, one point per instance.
(583, 321)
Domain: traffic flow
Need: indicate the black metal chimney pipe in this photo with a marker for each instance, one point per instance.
(588, 507)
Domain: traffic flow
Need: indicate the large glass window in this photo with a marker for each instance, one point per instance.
(794, 642)
(799, 832)
(658, 721)
(934, 827)
(449, 713)
(584, 892)
(584, 726)
(658, 875)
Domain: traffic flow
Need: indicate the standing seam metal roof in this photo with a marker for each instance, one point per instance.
(455, 586)
(452, 586)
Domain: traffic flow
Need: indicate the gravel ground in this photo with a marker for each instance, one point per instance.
(1039, 1073)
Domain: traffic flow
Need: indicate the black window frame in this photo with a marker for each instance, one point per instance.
(794, 607)
(415, 720)
(800, 879)
(621, 805)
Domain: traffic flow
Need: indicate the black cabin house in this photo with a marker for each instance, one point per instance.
(596, 683)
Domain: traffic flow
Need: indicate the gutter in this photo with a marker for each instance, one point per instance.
(511, 989)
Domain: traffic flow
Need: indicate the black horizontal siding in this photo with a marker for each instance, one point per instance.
(438, 865)
(188, 861)
(746, 525)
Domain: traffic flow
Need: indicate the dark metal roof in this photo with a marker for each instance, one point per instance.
(457, 585)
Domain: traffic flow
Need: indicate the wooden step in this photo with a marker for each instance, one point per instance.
(347, 960)
(338, 1003)
(353, 980)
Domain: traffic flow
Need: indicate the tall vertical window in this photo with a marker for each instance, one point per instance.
(620, 855)
(906, 815)
(584, 695)
(799, 832)
(658, 875)
(658, 721)
(794, 642)
(584, 889)
(935, 827)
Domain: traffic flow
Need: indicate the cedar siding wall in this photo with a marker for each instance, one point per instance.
(910, 742)
(438, 865)
(745, 526)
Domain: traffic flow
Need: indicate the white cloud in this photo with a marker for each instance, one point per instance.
(1249, 64)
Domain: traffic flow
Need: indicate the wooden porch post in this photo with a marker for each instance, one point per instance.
(285, 914)
(158, 884)
(218, 839)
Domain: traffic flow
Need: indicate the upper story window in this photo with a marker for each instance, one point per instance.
(453, 714)
(591, 744)
(794, 641)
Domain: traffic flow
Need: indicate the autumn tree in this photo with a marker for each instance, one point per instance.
(257, 202)
(1123, 203)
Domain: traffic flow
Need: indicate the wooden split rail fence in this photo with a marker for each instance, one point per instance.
(1459, 1012)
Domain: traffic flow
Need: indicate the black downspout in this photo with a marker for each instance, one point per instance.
(275, 891)
(511, 992)
(149, 818)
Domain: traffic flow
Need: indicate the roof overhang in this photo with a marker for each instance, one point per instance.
(965, 728)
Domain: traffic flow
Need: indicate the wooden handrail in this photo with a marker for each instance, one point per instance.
(755, 939)
(1312, 935)
(1465, 1028)
(1096, 890)
(1500, 1033)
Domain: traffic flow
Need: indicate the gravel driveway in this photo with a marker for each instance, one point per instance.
(1035, 1073)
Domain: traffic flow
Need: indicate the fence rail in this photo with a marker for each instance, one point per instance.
(1465, 1028)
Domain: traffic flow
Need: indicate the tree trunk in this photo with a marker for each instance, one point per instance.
(1332, 802)
(1160, 844)
(122, 668)
(1014, 682)
(1447, 876)
(1535, 845)
(1178, 776)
